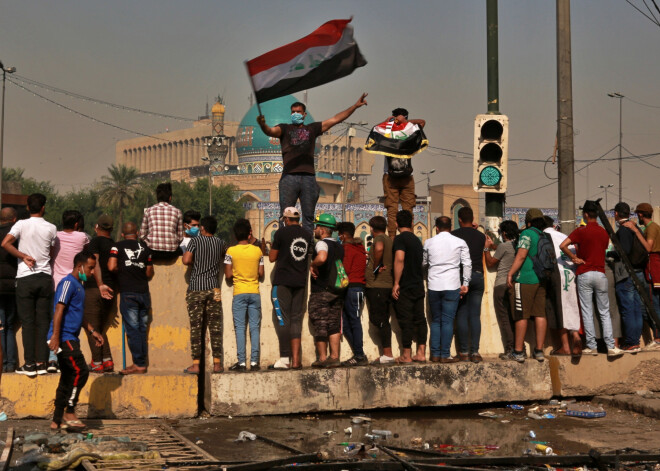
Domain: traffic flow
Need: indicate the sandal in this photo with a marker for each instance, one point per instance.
(191, 370)
(555, 353)
(73, 426)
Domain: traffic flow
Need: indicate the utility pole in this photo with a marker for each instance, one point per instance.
(5, 71)
(494, 201)
(351, 134)
(620, 98)
(566, 166)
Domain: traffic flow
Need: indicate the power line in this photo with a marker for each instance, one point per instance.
(652, 17)
(97, 101)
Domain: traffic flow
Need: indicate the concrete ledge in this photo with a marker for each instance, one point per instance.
(600, 375)
(104, 396)
(646, 404)
(309, 390)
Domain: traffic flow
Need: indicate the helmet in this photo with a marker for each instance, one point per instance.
(327, 220)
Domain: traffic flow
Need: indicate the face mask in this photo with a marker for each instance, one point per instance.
(297, 118)
(82, 276)
(193, 231)
(339, 240)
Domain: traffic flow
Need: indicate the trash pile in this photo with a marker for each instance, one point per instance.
(551, 410)
(66, 451)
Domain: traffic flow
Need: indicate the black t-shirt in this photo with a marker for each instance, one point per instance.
(412, 264)
(102, 245)
(133, 258)
(8, 264)
(326, 279)
(476, 242)
(294, 244)
(298, 143)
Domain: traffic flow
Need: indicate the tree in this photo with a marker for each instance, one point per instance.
(117, 190)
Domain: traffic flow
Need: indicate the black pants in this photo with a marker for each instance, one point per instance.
(502, 306)
(289, 305)
(33, 301)
(380, 300)
(410, 314)
(165, 256)
(72, 380)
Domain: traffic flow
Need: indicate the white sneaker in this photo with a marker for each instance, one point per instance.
(614, 352)
(589, 351)
(654, 345)
(281, 364)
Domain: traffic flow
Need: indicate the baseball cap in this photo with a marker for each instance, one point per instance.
(622, 208)
(644, 207)
(291, 212)
(533, 213)
(105, 222)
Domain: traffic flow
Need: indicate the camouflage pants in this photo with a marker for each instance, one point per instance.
(325, 313)
(200, 303)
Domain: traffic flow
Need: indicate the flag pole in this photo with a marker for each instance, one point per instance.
(247, 69)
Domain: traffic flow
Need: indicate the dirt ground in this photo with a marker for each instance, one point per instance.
(462, 428)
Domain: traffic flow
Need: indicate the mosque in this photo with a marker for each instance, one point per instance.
(253, 164)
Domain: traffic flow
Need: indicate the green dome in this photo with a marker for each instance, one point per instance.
(258, 153)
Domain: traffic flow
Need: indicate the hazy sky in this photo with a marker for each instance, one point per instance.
(427, 56)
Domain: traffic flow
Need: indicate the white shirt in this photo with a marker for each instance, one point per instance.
(35, 238)
(443, 254)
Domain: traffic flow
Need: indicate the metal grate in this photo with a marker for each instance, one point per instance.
(177, 452)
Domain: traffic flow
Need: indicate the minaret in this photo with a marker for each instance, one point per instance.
(218, 118)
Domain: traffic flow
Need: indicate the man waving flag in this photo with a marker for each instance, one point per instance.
(328, 54)
(399, 139)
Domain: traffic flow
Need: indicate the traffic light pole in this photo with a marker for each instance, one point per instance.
(494, 201)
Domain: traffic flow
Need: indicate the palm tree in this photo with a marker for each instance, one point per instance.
(117, 190)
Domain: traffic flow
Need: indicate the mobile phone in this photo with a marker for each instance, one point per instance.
(377, 269)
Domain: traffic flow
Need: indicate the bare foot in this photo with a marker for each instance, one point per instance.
(577, 350)
(420, 358)
(560, 351)
(403, 359)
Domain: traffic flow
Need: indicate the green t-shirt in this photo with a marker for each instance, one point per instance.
(529, 239)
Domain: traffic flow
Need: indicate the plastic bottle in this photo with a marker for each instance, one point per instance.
(382, 433)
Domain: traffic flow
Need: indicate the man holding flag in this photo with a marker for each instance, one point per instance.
(398, 139)
(298, 140)
(329, 53)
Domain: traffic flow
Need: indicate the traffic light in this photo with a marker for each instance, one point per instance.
(491, 149)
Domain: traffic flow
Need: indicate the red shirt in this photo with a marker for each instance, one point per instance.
(592, 241)
(355, 262)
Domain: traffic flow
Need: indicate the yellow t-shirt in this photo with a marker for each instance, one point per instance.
(245, 260)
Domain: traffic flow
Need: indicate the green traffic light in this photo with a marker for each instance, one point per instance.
(490, 176)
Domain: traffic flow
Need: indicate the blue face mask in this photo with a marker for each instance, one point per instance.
(297, 118)
(193, 231)
(82, 276)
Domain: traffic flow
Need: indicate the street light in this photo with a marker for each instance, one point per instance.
(217, 151)
(606, 188)
(620, 97)
(428, 198)
(5, 71)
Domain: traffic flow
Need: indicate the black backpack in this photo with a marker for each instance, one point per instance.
(545, 260)
(397, 167)
(638, 256)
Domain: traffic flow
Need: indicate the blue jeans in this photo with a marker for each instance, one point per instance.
(630, 307)
(587, 284)
(468, 317)
(305, 188)
(247, 305)
(353, 303)
(8, 335)
(134, 308)
(443, 305)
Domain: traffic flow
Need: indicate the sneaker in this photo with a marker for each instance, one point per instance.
(238, 367)
(27, 370)
(655, 345)
(355, 361)
(96, 367)
(254, 367)
(614, 352)
(281, 364)
(41, 369)
(330, 363)
(476, 358)
(53, 367)
(589, 351)
(631, 349)
(108, 366)
(506, 355)
(518, 356)
(538, 355)
(383, 360)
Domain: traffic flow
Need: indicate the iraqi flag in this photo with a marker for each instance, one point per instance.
(328, 54)
(396, 140)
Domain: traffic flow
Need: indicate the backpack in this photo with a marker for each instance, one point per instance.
(397, 167)
(545, 260)
(638, 256)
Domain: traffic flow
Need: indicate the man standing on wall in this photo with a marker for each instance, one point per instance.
(298, 181)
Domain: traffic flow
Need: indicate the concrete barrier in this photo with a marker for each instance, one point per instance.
(372, 387)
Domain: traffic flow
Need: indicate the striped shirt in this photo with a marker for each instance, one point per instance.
(208, 261)
(162, 227)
